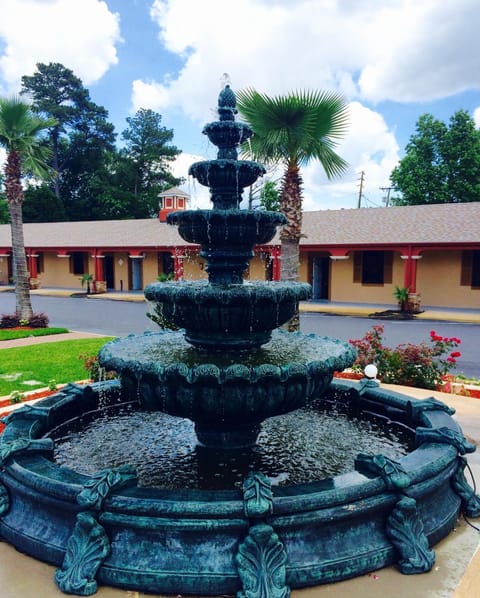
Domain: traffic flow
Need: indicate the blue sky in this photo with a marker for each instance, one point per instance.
(393, 61)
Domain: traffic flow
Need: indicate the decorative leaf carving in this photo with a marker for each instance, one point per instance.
(392, 473)
(444, 435)
(470, 500)
(96, 490)
(405, 530)
(257, 496)
(87, 547)
(261, 561)
(4, 500)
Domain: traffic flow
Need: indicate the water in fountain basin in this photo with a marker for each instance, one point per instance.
(306, 445)
(280, 351)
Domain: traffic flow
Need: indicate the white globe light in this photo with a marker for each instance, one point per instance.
(371, 371)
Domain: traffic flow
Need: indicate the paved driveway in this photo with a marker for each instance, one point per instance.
(120, 318)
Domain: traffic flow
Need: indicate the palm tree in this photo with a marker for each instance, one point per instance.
(20, 131)
(292, 130)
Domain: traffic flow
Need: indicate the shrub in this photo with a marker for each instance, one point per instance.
(159, 318)
(39, 321)
(423, 365)
(9, 321)
(16, 397)
(13, 321)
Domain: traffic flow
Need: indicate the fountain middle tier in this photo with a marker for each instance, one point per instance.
(226, 394)
(225, 228)
(226, 179)
(234, 316)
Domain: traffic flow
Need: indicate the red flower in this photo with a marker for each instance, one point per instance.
(455, 354)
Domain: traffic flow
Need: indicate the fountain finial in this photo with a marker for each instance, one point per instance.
(227, 104)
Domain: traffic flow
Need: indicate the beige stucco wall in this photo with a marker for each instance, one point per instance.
(342, 287)
(193, 267)
(303, 270)
(438, 281)
(4, 270)
(256, 271)
(120, 270)
(150, 267)
(56, 272)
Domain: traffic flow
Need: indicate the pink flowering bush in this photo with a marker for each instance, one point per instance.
(424, 365)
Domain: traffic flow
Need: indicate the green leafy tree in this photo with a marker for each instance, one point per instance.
(441, 163)
(293, 130)
(270, 197)
(20, 135)
(4, 217)
(79, 139)
(148, 148)
(41, 205)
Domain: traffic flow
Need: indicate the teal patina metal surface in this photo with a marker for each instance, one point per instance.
(228, 370)
(226, 315)
(265, 539)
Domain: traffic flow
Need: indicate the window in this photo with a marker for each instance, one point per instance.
(168, 202)
(471, 269)
(373, 267)
(181, 202)
(78, 262)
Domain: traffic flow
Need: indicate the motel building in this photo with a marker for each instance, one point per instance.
(347, 255)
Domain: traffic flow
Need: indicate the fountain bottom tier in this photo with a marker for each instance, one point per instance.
(227, 394)
(103, 528)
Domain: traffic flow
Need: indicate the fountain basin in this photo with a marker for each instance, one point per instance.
(229, 174)
(226, 399)
(105, 529)
(217, 317)
(227, 134)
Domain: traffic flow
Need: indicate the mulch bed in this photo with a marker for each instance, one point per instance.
(392, 314)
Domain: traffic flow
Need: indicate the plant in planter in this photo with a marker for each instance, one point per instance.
(87, 279)
(401, 295)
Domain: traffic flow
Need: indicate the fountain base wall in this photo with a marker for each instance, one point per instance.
(105, 529)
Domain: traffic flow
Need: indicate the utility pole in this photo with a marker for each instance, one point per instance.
(360, 193)
(387, 198)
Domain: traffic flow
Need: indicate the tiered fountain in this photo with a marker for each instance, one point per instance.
(229, 370)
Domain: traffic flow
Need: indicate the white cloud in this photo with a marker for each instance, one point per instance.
(199, 196)
(425, 51)
(80, 35)
(476, 117)
(369, 147)
(402, 50)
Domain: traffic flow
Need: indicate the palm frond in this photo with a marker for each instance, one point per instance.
(296, 128)
(20, 130)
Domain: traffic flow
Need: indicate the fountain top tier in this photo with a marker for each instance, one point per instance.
(227, 176)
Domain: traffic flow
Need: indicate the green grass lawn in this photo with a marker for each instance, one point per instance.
(39, 364)
(8, 334)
